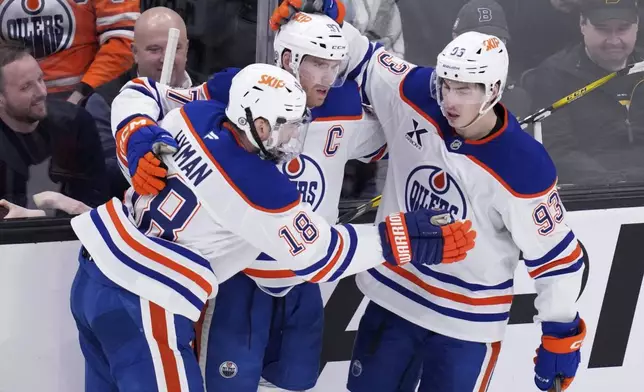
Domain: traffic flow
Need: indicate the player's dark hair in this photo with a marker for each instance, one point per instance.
(10, 51)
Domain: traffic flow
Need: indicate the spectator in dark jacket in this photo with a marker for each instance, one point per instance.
(150, 39)
(33, 130)
(598, 138)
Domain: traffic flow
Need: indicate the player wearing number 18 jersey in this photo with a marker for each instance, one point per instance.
(286, 313)
(149, 265)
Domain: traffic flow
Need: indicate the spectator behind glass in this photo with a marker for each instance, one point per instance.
(150, 39)
(600, 137)
(32, 130)
(378, 20)
(487, 17)
(80, 44)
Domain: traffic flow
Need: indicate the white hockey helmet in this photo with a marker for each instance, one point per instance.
(313, 35)
(473, 57)
(268, 92)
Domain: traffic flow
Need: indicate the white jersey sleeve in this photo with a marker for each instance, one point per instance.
(143, 102)
(551, 252)
(369, 144)
(378, 72)
(143, 97)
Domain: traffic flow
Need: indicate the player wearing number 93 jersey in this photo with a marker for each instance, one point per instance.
(147, 266)
(455, 146)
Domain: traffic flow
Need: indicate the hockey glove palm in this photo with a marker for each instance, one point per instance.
(425, 237)
(142, 145)
(284, 12)
(558, 354)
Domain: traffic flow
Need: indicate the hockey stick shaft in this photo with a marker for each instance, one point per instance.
(360, 210)
(166, 77)
(546, 112)
(170, 53)
(558, 381)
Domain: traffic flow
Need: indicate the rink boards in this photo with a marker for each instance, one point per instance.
(40, 351)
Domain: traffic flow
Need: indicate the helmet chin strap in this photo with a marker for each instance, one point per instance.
(258, 141)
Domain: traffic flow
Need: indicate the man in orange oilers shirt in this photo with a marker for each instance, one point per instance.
(80, 44)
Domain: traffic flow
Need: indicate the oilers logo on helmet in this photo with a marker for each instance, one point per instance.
(431, 187)
(48, 28)
(309, 178)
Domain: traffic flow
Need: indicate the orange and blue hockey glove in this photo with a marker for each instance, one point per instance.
(140, 143)
(558, 355)
(334, 9)
(425, 237)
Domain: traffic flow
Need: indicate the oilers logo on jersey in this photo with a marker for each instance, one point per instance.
(432, 187)
(46, 29)
(307, 174)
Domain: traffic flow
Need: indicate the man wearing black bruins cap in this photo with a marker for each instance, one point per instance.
(488, 17)
(484, 16)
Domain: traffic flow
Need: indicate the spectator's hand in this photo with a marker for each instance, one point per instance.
(75, 98)
(15, 211)
(284, 12)
(57, 201)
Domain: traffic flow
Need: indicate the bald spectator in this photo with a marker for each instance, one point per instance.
(600, 137)
(150, 40)
(488, 17)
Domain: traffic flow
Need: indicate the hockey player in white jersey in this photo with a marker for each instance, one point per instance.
(148, 266)
(277, 341)
(286, 315)
(453, 145)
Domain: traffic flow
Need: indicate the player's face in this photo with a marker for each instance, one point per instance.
(286, 139)
(24, 92)
(461, 102)
(609, 43)
(316, 77)
(149, 51)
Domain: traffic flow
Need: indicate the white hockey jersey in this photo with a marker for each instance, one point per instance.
(505, 184)
(221, 204)
(341, 130)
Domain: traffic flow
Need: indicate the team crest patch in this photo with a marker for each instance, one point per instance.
(44, 26)
(307, 174)
(433, 188)
(356, 368)
(228, 369)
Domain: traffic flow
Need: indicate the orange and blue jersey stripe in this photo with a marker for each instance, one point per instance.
(163, 272)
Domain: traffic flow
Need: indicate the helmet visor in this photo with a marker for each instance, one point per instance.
(286, 139)
(452, 92)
